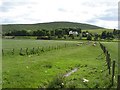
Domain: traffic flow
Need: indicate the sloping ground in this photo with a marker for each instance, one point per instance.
(48, 26)
(41, 70)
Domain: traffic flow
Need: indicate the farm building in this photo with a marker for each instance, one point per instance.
(73, 32)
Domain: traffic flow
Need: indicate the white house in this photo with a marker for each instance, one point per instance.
(73, 32)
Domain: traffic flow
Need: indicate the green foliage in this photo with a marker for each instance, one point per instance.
(18, 33)
(107, 35)
(58, 82)
(96, 36)
(71, 36)
(89, 37)
(39, 33)
(103, 35)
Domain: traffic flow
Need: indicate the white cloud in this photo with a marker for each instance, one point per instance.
(37, 11)
(108, 24)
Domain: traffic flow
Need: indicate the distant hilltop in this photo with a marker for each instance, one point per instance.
(47, 26)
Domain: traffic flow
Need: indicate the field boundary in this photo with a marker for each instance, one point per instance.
(108, 61)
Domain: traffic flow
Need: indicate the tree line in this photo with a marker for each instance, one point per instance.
(64, 33)
(43, 32)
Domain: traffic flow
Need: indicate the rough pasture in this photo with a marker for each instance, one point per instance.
(47, 69)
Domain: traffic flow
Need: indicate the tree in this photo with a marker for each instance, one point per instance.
(52, 33)
(18, 33)
(103, 35)
(80, 36)
(65, 37)
(84, 34)
(48, 33)
(89, 37)
(44, 32)
(38, 33)
(96, 36)
(66, 31)
(114, 31)
(78, 30)
(59, 33)
(109, 35)
(71, 36)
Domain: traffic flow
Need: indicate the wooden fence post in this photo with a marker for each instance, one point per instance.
(109, 62)
(101, 46)
(107, 58)
(118, 83)
(2, 52)
(107, 52)
(104, 49)
(113, 72)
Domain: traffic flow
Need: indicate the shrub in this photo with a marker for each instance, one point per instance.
(57, 82)
(89, 37)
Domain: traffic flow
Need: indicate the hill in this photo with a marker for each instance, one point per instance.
(48, 26)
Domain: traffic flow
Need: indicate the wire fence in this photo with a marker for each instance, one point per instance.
(108, 61)
(34, 50)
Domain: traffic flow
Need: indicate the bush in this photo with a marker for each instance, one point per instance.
(89, 37)
(57, 82)
(43, 37)
(59, 36)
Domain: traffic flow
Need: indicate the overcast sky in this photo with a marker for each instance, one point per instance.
(102, 13)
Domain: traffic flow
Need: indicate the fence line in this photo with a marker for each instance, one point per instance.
(108, 60)
(118, 83)
(35, 50)
(113, 72)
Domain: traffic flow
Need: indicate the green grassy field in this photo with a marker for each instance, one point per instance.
(99, 31)
(48, 68)
(113, 50)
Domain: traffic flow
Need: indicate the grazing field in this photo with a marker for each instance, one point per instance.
(99, 31)
(9, 45)
(66, 64)
(113, 49)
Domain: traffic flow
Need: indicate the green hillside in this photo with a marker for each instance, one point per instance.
(48, 26)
